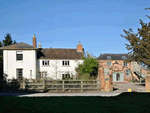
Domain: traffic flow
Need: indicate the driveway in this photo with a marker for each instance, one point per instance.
(123, 87)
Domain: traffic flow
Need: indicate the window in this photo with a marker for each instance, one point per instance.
(65, 76)
(45, 74)
(31, 73)
(116, 62)
(125, 64)
(65, 63)
(19, 55)
(109, 63)
(128, 72)
(45, 62)
(123, 57)
(19, 73)
(108, 57)
(106, 71)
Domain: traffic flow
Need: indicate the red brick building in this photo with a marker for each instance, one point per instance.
(115, 65)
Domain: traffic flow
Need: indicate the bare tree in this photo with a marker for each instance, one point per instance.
(55, 66)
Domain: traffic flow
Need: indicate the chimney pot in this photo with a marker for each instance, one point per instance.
(40, 45)
(101, 54)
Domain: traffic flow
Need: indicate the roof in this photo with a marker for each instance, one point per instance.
(50, 53)
(113, 57)
(18, 46)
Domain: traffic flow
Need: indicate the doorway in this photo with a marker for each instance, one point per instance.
(117, 76)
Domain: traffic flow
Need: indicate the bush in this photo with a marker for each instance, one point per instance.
(85, 76)
(132, 81)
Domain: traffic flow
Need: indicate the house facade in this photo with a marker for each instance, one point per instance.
(115, 65)
(23, 60)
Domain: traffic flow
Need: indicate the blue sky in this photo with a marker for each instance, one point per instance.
(63, 23)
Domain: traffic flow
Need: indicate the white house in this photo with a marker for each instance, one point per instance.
(24, 60)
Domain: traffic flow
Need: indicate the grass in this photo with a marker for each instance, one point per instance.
(126, 102)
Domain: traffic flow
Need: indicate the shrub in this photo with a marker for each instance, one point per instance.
(85, 76)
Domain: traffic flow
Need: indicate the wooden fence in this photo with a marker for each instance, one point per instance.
(63, 85)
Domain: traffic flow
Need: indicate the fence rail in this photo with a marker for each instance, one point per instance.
(62, 85)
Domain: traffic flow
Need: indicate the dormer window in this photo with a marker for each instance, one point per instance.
(108, 57)
(124, 58)
(45, 62)
(19, 55)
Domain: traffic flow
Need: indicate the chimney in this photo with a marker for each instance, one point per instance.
(79, 47)
(101, 54)
(34, 41)
(40, 45)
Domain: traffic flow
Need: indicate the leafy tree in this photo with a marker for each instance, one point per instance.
(90, 65)
(139, 46)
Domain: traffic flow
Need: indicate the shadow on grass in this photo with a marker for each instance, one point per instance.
(126, 102)
(13, 89)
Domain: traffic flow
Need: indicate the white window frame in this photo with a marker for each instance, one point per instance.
(110, 63)
(19, 55)
(46, 62)
(128, 73)
(65, 62)
(125, 63)
(66, 75)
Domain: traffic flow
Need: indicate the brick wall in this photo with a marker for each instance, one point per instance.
(119, 67)
(147, 83)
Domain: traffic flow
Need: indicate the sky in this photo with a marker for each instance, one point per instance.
(98, 24)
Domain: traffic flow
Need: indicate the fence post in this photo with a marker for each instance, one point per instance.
(63, 85)
(81, 86)
(98, 85)
(23, 84)
(43, 84)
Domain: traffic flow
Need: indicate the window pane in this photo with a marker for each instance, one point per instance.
(65, 62)
(48, 62)
(19, 56)
(62, 62)
(68, 75)
(43, 62)
(108, 63)
(68, 62)
(19, 73)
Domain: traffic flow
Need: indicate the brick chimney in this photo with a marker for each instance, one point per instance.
(79, 47)
(34, 41)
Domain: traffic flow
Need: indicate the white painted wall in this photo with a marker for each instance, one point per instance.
(10, 64)
(56, 66)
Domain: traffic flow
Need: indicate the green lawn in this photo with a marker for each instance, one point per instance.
(126, 102)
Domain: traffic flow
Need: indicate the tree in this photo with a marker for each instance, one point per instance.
(7, 41)
(90, 65)
(139, 46)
